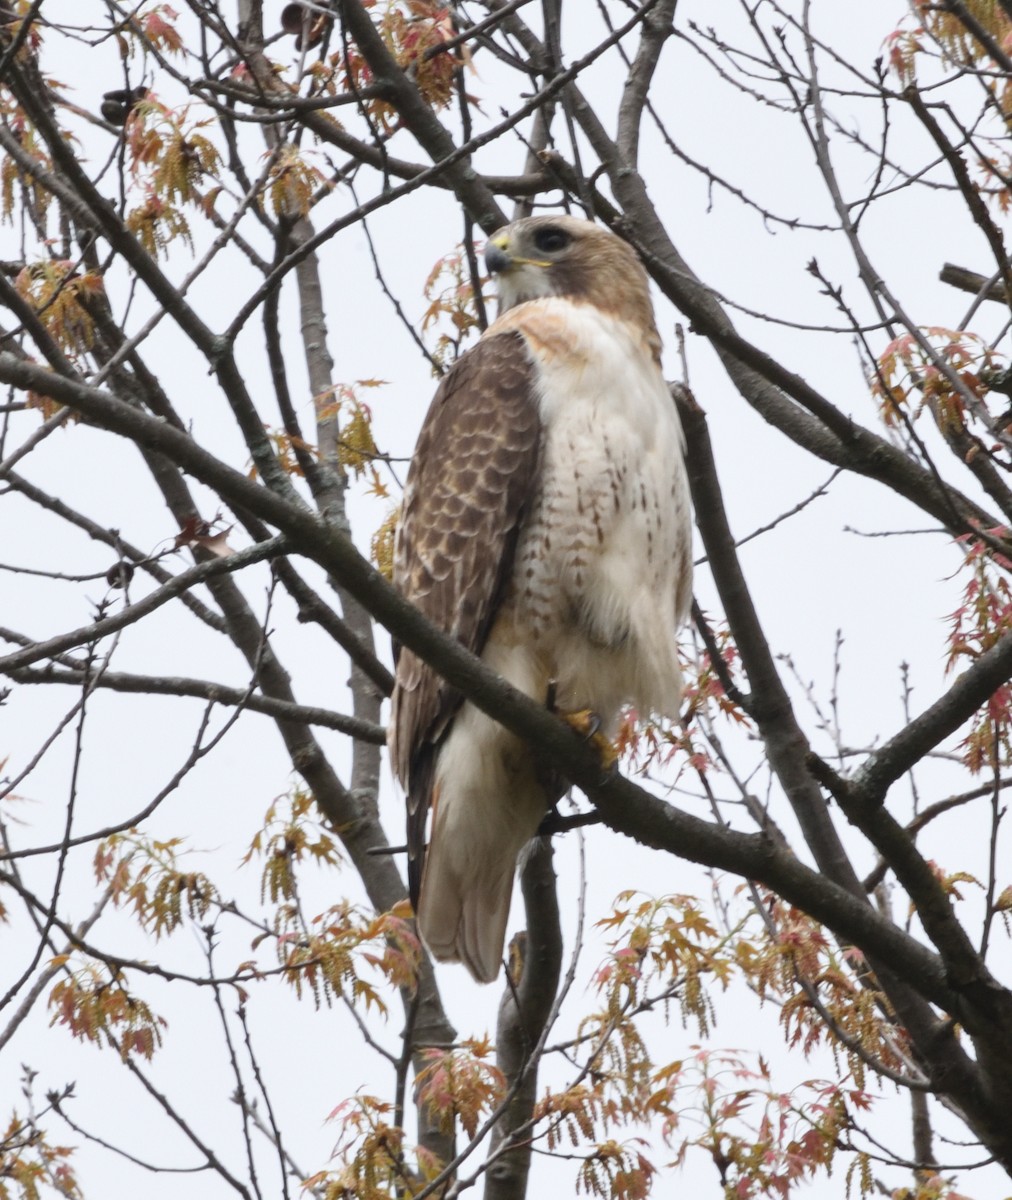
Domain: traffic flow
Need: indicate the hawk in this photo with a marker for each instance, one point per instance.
(545, 525)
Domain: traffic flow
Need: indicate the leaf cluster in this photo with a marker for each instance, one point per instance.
(32, 1166)
(144, 873)
(95, 1005)
(460, 1084)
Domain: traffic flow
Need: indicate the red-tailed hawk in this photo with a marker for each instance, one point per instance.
(546, 525)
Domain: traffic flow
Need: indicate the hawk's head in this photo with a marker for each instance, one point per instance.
(564, 256)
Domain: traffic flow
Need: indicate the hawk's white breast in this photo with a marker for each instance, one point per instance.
(602, 571)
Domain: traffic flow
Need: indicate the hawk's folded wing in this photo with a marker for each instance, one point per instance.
(471, 480)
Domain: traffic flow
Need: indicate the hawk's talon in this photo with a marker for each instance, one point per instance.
(588, 724)
(584, 721)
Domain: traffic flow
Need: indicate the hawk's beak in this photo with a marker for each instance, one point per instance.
(497, 255)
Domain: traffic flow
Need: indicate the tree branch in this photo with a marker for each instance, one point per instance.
(217, 693)
(523, 1013)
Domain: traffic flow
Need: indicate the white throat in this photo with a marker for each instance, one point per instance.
(523, 282)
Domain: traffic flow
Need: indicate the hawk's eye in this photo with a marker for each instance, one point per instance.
(551, 238)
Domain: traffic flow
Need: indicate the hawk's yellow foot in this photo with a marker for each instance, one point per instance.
(587, 724)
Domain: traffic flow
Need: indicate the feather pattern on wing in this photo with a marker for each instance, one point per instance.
(470, 478)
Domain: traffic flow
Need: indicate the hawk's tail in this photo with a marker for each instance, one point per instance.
(464, 907)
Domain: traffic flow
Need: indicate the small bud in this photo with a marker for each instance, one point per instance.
(296, 19)
(117, 105)
(119, 574)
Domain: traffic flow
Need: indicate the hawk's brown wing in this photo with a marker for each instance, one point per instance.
(470, 481)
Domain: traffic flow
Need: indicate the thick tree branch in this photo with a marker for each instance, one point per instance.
(973, 282)
(970, 691)
(769, 704)
(657, 28)
(526, 1006)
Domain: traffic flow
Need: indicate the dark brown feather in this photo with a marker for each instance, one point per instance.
(468, 487)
